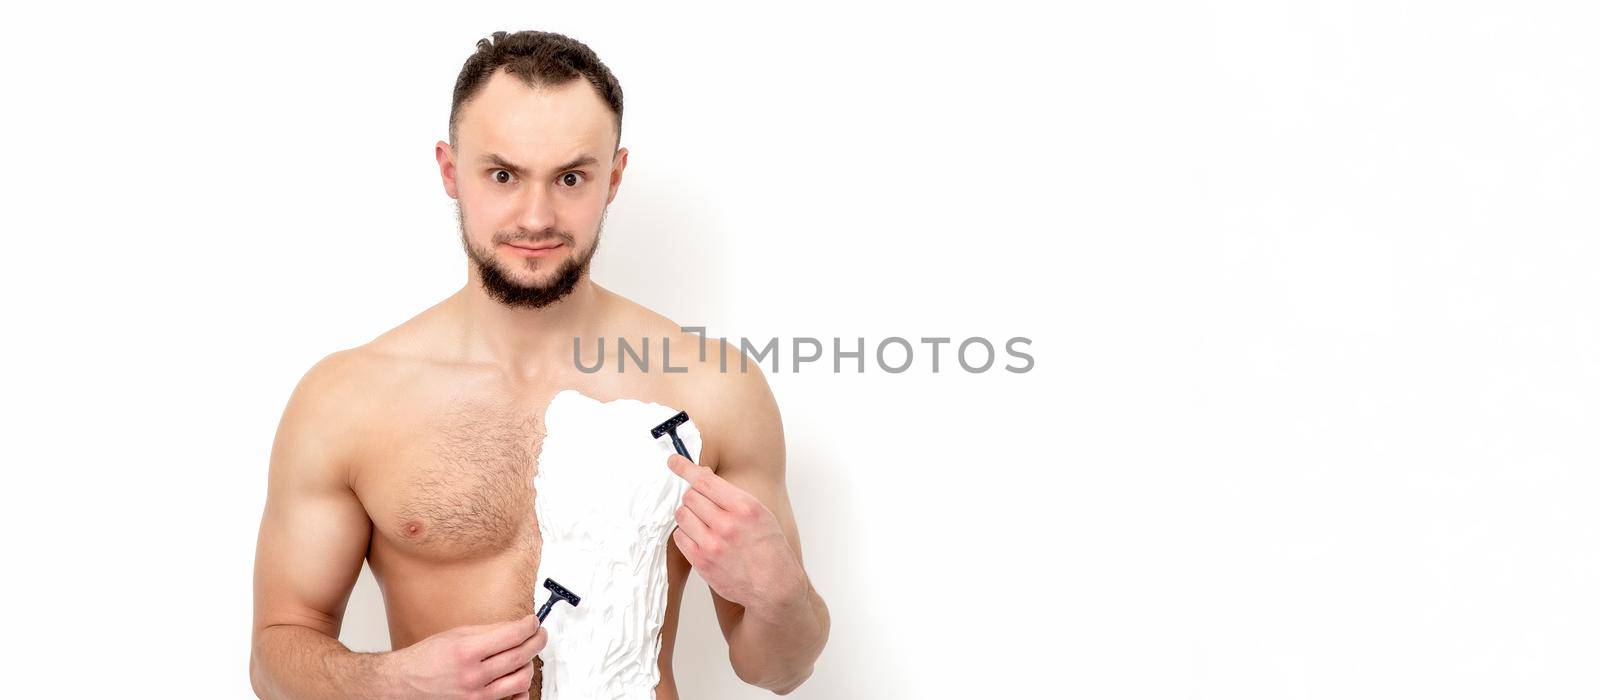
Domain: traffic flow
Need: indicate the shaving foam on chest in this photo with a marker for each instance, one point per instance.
(605, 500)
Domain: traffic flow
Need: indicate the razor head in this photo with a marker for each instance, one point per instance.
(561, 592)
(673, 422)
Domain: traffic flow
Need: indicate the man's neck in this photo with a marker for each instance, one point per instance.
(524, 342)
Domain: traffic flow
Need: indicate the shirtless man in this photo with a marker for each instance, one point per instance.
(417, 451)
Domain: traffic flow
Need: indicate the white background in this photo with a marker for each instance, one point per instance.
(1311, 288)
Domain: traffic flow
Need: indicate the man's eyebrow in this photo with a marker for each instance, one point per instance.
(500, 161)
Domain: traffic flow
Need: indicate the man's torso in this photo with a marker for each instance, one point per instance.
(443, 463)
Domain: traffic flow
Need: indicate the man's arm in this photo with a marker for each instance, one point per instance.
(738, 530)
(314, 535)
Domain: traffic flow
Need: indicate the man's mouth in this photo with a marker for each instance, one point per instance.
(533, 249)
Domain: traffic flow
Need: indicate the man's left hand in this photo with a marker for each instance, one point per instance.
(734, 541)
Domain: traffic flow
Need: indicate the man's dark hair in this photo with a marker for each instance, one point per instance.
(540, 59)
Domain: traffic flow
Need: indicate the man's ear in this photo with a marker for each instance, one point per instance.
(621, 160)
(447, 167)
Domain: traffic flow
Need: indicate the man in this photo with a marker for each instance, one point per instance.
(417, 451)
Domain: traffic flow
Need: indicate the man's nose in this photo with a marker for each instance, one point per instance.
(536, 210)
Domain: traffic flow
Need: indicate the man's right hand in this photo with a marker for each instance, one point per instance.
(485, 662)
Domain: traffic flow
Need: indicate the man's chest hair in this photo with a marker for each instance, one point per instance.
(465, 481)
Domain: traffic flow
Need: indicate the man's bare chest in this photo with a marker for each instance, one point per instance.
(449, 473)
(456, 483)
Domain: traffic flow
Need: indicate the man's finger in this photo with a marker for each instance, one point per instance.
(514, 658)
(691, 551)
(709, 513)
(681, 466)
(692, 525)
(505, 635)
(518, 681)
(704, 480)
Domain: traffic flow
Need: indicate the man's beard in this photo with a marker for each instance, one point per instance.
(503, 289)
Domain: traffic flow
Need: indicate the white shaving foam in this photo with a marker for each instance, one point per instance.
(605, 500)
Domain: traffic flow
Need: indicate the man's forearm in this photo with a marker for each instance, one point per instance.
(295, 662)
(775, 647)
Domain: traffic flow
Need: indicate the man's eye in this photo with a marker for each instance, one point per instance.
(571, 179)
(497, 175)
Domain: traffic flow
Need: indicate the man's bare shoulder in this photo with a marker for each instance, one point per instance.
(739, 397)
(337, 383)
(724, 388)
(337, 377)
(308, 447)
(337, 399)
(709, 363)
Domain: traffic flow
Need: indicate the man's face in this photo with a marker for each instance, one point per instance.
(532, 173)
